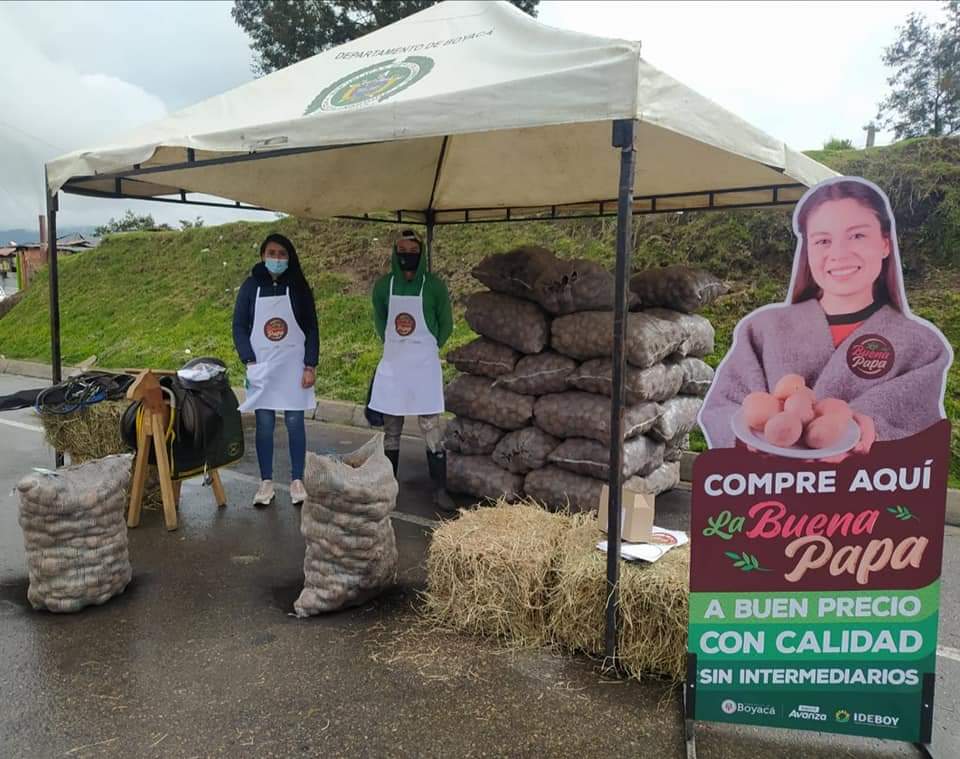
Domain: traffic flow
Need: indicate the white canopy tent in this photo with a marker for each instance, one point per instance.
(469, 111)
(465, 110)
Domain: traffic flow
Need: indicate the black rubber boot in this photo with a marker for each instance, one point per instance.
(394, 457)
(443, 501)
(437, 465)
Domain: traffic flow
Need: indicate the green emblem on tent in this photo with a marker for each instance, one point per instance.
(371, 84)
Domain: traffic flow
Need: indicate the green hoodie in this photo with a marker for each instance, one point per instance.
(436, 299)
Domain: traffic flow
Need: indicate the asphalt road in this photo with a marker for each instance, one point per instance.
(201, 658)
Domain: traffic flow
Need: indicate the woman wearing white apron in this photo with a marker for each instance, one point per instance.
(413, 317)
(276, 335)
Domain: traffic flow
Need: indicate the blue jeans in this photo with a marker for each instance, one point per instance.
(296, 435)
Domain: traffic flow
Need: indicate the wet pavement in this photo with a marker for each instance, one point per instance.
(201, 658)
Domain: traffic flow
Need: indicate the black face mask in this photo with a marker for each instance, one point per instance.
(408, 261)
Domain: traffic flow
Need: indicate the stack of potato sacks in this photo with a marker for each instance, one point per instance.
(533, 405)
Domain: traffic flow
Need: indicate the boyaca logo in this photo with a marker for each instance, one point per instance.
(371, 84)
(275, 329)
(870, 356)
(842, 715)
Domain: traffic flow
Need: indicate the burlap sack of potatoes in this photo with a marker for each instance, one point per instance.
(518, 323)
(697, 377)
(539, 374)
(678, 417)
(516, 271)
(75, 533)
(589, 334)
(675, 448)
(560, 286)
(477, 398)
(523, 450)
(484, 357)
(351, 549)
(659, 382)
(641, 455)
(576, 285)
(480, 477)
(558, 489)
(471, 437)
(678, 287)
(578, 414)
(698, 332)
(660, 480)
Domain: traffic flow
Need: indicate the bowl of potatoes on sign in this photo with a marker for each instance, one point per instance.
(792, 422)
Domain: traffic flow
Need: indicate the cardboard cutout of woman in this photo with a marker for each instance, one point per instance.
(845, 327)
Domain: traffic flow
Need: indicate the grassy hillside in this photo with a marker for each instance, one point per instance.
(157, 299)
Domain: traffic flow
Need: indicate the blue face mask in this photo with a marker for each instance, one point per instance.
(276, 265)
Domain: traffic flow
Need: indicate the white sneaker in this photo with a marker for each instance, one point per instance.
(265, 494)
(298, 493)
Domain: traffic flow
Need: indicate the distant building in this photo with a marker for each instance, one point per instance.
(31, 257)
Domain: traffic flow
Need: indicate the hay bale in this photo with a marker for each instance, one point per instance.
(90, 433)
(654, 604)
(490, 571)
(93, 432)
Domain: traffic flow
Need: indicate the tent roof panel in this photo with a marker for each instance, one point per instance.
(525, 108)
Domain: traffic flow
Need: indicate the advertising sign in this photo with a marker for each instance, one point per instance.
(815, 589)
(817, 514)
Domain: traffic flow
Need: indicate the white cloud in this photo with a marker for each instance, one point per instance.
(47, 108)
(76, 73)
(801, 71)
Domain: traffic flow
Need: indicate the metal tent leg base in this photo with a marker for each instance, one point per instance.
(689, 729)
(924, 749)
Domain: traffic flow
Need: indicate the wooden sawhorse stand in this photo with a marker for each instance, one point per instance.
(151, 433)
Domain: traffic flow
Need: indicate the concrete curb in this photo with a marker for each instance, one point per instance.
(331, 412)
(351, 415)
(30, 368)
(953, 507)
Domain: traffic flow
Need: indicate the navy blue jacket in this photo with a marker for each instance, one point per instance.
(301, 298)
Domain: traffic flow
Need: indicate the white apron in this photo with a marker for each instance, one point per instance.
(274, 381)
(409, 378)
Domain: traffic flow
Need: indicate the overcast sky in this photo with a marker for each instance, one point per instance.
(75, 73)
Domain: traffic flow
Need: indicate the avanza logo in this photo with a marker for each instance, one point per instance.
(808, 713)
(870, 356)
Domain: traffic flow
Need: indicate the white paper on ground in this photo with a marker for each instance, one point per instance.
(663, 539)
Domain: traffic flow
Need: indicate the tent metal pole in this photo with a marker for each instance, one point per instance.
(53, 269)
(429, 215)
(624, 131)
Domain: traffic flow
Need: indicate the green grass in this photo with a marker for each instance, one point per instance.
(158, 299)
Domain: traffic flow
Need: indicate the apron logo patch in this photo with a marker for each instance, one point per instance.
(870, 356)
(275, 329)
(405, 324)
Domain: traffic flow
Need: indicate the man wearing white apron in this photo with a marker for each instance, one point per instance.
(276, 335)
(413, 316)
